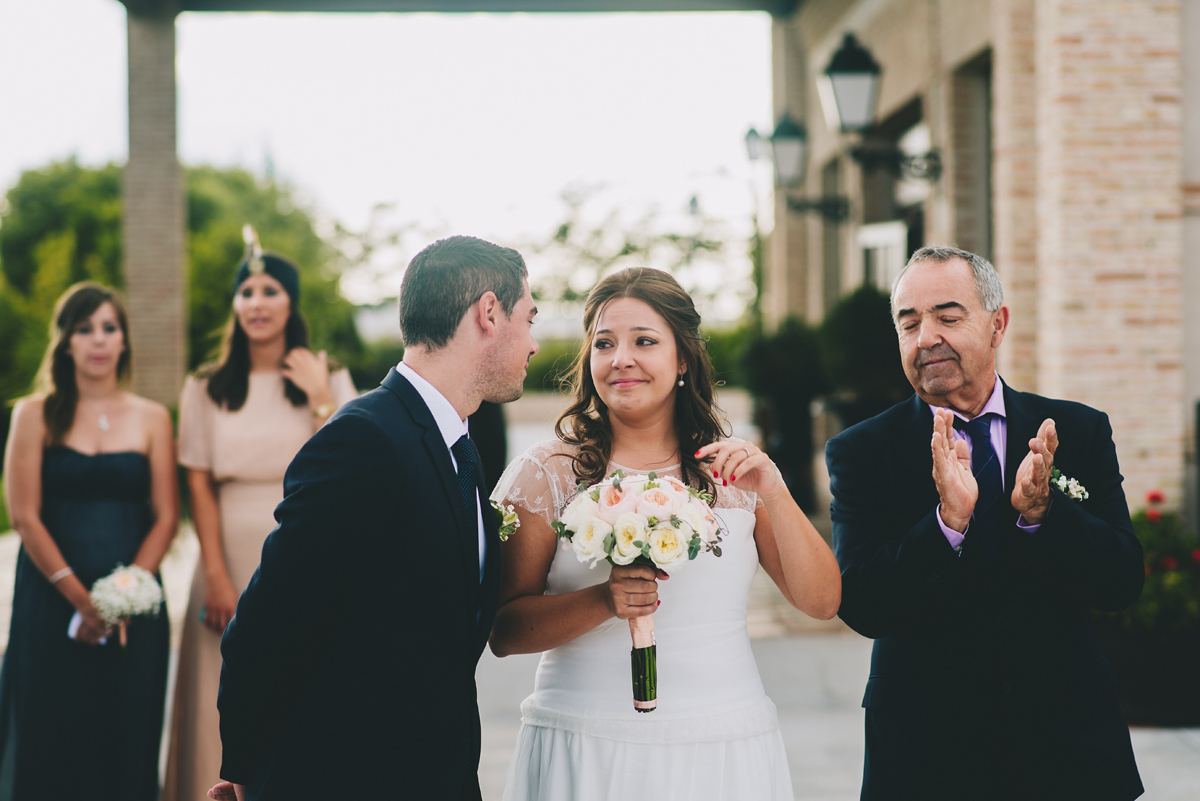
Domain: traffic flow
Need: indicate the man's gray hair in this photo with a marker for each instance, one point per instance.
(987, 281)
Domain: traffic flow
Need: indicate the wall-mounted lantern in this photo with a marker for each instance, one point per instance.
(849, 92)
(789, 151)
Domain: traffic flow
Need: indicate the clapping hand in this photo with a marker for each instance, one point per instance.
(1031, 490)
(952, 475)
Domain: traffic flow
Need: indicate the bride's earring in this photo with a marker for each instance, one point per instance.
(680, 381)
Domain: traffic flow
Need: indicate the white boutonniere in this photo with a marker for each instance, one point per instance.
(506, 518)
(1073, 489)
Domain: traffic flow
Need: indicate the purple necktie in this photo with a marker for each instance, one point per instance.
(985, 466)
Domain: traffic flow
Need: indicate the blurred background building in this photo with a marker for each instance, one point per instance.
(1059, 138)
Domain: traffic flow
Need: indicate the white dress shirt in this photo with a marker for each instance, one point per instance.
(451, 427)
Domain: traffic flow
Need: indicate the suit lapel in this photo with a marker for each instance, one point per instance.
(467, 534)
(917, 456)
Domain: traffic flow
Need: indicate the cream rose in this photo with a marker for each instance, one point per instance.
(630, 527)
(578, 511)
(666, 545)
(588, 540)
(691, 520)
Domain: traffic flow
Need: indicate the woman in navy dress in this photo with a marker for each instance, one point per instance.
(90, 483)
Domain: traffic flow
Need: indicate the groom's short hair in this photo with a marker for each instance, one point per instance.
(446, 278)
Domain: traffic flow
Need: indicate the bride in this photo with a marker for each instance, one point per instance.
(643, 401)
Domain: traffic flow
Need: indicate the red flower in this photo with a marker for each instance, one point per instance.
(1196, 556)
(1169, 562)
(1153, 514)
(1155, 496)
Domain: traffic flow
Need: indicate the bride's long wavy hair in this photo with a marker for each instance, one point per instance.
(698, 420)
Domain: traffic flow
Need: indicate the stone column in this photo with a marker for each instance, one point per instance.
(1110, 231)
(154, 213)
(1015, 184)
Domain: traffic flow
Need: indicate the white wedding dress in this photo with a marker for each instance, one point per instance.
(715, 734)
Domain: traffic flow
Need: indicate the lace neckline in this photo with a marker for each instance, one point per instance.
(676, 466)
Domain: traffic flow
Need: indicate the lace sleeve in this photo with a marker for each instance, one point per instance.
(540, 480)
(734, 498)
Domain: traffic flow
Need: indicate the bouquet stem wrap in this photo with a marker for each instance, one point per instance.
(645, 664)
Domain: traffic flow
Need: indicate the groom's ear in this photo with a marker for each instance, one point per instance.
(486, 312)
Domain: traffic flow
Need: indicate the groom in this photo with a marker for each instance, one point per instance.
(973, 574)
(349, 667)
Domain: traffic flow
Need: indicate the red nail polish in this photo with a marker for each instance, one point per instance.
(724, 482)
(715, 475)
(733, 478)
(697, 453)
(657, 604)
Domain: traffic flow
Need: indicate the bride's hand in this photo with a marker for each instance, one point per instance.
(742, 465)
(633, 590)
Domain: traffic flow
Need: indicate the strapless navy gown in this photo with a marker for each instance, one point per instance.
(80, 721)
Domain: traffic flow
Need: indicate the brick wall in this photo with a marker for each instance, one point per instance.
(1015, 184)
(1109, 235)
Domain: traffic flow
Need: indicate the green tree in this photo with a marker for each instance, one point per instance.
(62, 223)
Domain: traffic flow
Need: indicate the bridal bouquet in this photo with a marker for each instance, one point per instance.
(640, 520)
(125, 592)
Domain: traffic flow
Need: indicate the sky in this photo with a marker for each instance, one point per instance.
(470, 124)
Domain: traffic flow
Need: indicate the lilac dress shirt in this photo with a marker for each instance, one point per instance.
(999, 434)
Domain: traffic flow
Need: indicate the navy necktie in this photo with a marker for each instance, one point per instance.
(985, 466)
(464, 453)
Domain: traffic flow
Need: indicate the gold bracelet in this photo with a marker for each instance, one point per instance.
(324, 410)
(59, 575)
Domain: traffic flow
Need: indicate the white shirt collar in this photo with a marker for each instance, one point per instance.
(448, 422)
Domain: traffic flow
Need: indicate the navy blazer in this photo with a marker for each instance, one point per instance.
(349, 667)
(987, 681)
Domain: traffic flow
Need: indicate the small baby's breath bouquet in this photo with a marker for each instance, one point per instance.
(124, 593)
(640, 520)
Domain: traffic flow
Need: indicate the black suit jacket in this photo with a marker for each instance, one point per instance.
(349, 668)
(986, 679)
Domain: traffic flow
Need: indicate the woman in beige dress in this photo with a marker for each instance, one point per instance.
(241, 420)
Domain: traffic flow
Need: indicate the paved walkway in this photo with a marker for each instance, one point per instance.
(815, 671)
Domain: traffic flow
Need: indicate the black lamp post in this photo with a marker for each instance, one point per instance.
(789, 150)
(849, 91)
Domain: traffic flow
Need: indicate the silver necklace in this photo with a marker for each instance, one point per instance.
(103, 421)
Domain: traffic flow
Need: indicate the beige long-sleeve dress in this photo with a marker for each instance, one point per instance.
(247, 452)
